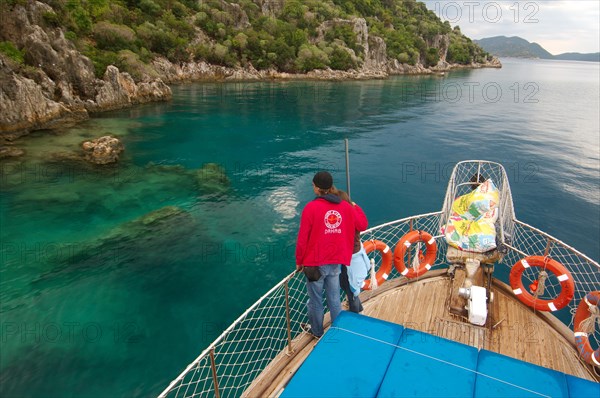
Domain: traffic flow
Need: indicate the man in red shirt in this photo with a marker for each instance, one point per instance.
(325, 243)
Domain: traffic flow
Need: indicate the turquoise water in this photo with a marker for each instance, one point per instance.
(97, 299)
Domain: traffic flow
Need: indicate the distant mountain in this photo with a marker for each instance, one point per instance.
(517, 47)
(593, 57)
(513, 47)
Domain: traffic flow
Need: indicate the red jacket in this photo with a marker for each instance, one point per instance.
(327, 229)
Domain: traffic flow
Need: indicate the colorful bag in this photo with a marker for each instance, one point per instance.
(471, 227)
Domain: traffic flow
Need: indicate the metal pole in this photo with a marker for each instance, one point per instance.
(214, 373)
(347, 167)
(410, 223)
(287, 317)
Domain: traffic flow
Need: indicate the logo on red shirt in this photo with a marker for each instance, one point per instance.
(333, 219)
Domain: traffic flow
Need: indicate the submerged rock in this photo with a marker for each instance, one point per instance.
(212, 178)
(103, 150)
(158, 216)
(157, 223)
(10, 152)
(49, 197)
(156, 238)
(166, 168)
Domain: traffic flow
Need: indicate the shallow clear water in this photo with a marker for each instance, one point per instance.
(96, 304)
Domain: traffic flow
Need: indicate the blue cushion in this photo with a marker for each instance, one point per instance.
(502, 376)
(420, 367)
(581, 388)
(366, 357)
(347, 363)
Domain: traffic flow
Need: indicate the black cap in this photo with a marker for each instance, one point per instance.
(323, 180)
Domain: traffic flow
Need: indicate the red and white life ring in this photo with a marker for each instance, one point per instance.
(386, 261)
(581, 337)
(564, 277)
(425, 262)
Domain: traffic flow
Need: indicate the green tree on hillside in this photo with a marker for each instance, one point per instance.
(129, 33)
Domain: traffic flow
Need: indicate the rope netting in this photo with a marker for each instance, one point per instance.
(466, 176)
(247, 346)
(241, 353)
(529, 241)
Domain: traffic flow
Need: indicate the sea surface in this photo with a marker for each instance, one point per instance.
(113, 279)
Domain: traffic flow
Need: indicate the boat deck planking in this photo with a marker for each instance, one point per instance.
(512, 329)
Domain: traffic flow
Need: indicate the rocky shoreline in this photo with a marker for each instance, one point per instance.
(63, 90)
(204, 72)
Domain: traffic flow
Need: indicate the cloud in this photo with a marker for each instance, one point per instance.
(558, 26)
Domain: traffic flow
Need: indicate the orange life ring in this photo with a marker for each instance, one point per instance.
(581, 338)
(564, 277)
(386, 261)
(425, 262)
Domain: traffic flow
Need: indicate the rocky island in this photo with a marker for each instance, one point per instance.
(61, 61)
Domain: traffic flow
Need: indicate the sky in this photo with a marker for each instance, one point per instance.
(557, 25)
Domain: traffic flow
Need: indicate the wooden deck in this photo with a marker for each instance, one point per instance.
(512, 329)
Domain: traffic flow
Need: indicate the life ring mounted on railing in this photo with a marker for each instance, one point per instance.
(582, 341)
(425, 261)
(386, 261)
(562, 274)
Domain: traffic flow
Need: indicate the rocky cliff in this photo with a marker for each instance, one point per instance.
(56, 85)
(374, 62)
